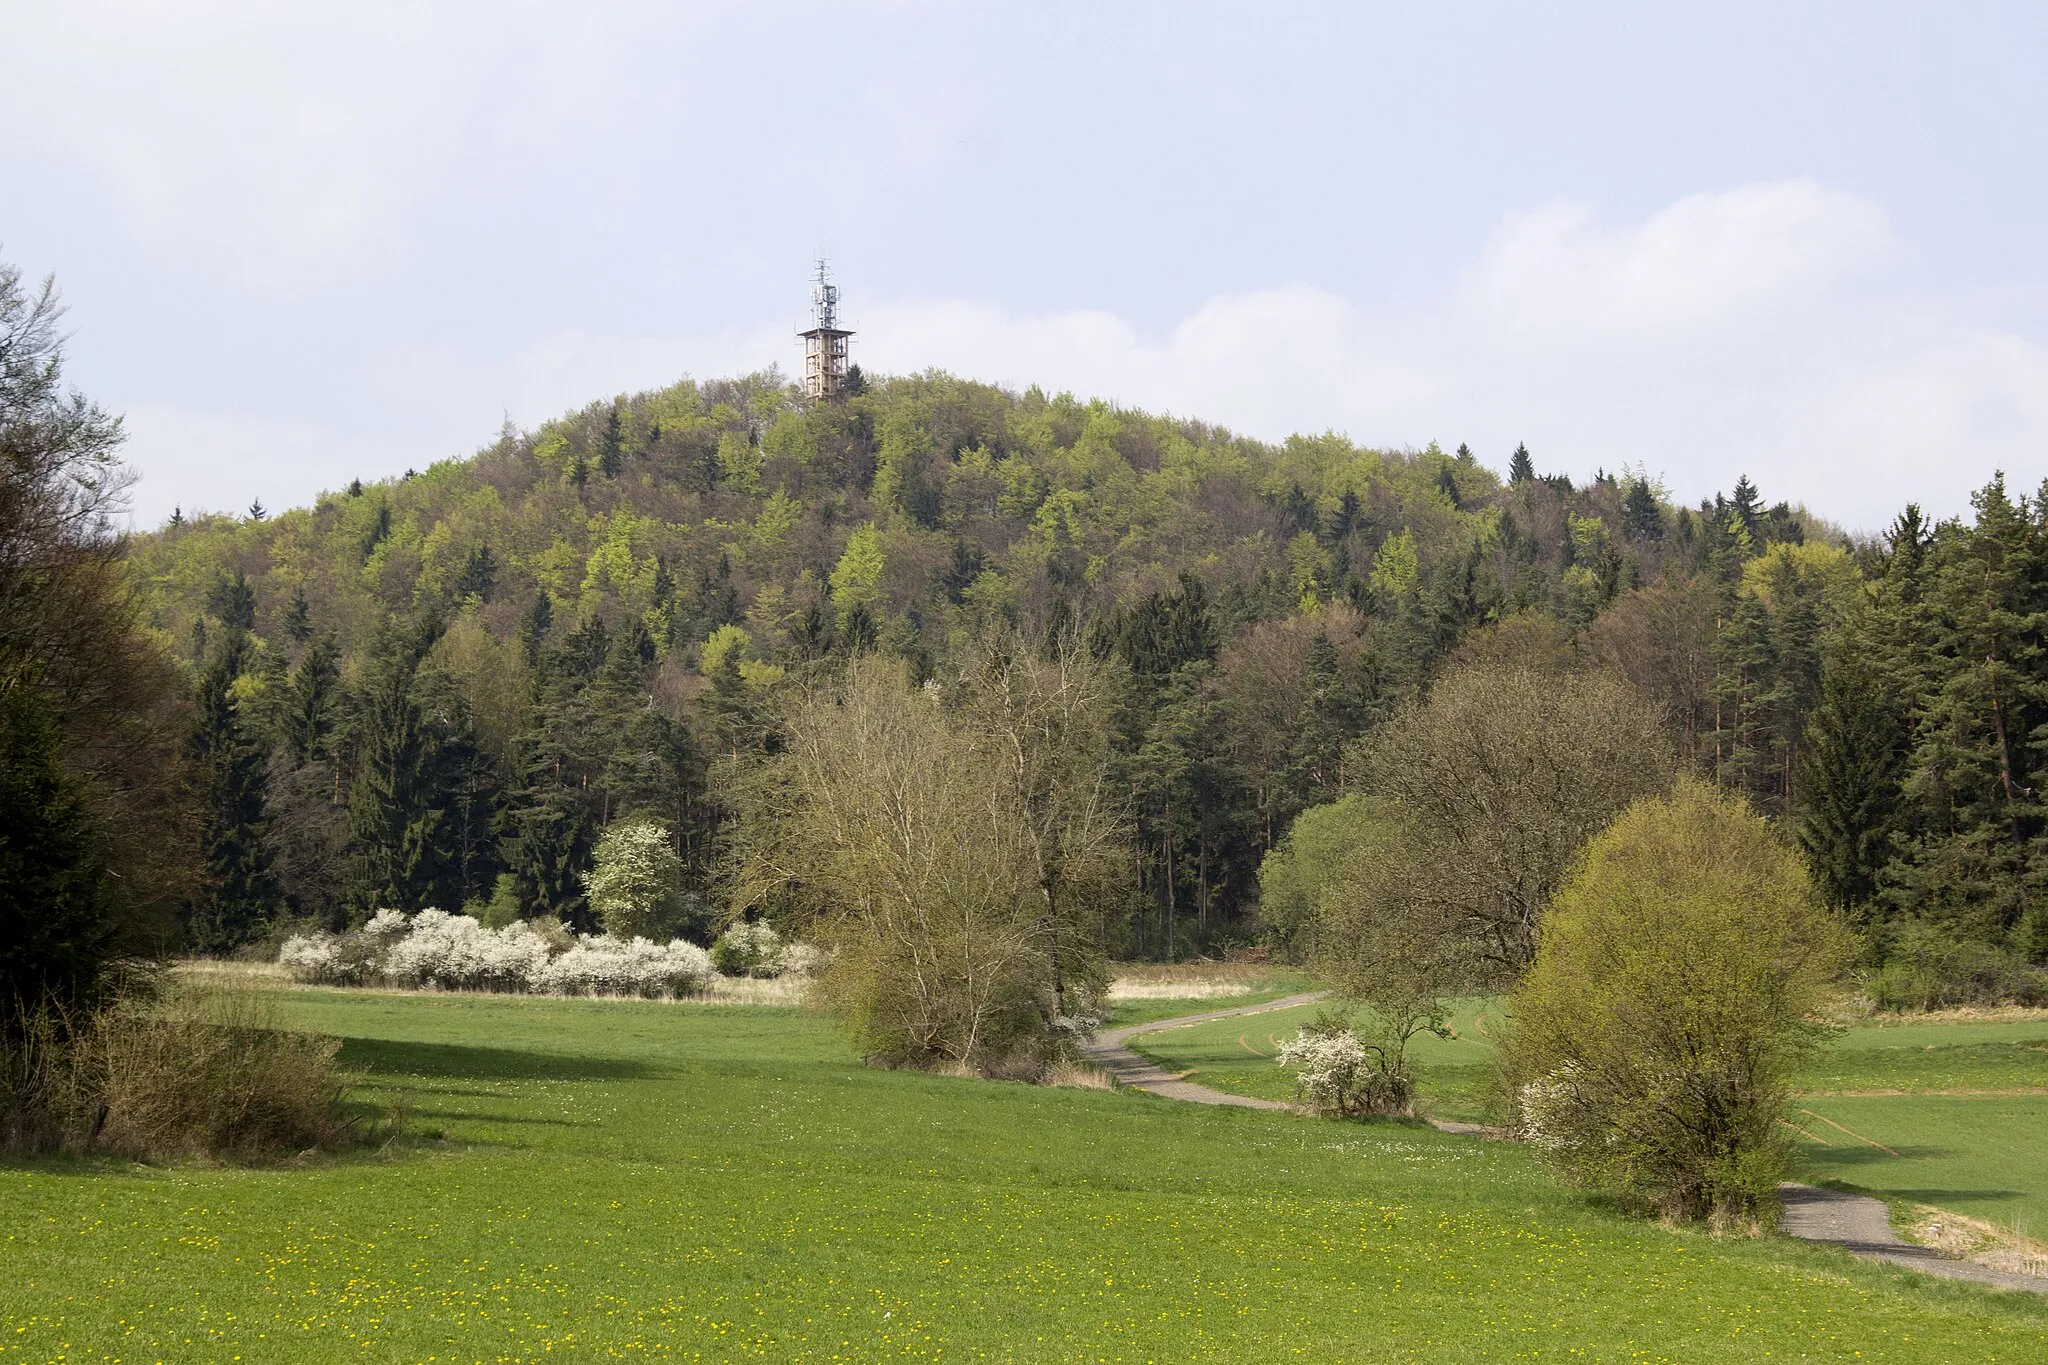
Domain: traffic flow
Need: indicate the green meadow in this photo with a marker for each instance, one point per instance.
(1953, 1114)
(600, 1180)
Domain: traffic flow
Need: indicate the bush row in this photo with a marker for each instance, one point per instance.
(455, 952)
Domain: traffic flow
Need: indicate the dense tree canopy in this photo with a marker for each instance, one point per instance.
(474, 671)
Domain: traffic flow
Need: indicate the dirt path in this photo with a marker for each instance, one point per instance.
(1863, 1226)
(1856, 1223)
(1107, 1051)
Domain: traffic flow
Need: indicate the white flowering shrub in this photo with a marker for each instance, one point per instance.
(800, 959)
(602, 965)
(1338, 1073)
(324, 960)
(749, 948)
(635, 880)
(1551, 1113)
(454, 952)
(386, 925)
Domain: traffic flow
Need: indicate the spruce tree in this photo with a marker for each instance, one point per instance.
(1745, 509)
(393, 807)
(479, 575)
(611, 446)
(308, 714)
(240, 895)
(1851, 770)
(298, 617)
(1641, 518)
(1521, 469)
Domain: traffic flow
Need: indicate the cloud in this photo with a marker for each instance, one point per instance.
(1772, 330)
(276, 145)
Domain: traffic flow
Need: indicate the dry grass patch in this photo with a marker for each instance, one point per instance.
(1974, 1239)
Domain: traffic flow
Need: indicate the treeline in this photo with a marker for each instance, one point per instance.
(437, 691)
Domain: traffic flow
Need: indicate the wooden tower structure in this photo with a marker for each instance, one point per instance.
(825, 341)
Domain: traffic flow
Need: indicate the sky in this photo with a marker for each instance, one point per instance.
(307, 243)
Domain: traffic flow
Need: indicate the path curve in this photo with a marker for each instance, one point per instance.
(1107, 1051)
(1856, 1223)
(1862, 1226)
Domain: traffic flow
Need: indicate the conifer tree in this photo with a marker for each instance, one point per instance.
(1641, 517)
(240, 894)
(1851, 769)
(395, 814)
(479, 575)
(611, 446)
(1521, 469)
(298, 617)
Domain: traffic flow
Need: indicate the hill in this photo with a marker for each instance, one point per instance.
(436, 690)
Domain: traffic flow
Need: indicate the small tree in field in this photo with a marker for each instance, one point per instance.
(1676, 986)
(635, 885)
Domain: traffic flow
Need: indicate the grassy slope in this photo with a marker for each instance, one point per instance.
(661, 1182)
(1985, 1155)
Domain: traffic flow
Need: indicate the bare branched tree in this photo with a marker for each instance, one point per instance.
(1501, 776)
(888, 822)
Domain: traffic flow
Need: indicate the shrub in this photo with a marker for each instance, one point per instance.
(201, 1074)
(601, 965)
(1925, 968)
(1337, 1072)
(1678, 980)
(749, 948)
(454, 952)
(635, 881)
(328, 959)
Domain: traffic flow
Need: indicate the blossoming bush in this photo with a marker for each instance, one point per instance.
(1336, 1072)
(602, 965)
(456, 952)
(749, 948)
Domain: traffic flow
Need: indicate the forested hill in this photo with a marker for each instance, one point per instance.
(417, 686)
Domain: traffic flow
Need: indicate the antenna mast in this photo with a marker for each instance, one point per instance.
(825, 346)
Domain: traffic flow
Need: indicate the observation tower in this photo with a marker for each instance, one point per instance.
(825, 342)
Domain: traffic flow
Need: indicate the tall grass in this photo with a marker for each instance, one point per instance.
(201, 1073)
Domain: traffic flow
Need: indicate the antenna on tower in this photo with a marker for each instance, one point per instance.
(825, 348)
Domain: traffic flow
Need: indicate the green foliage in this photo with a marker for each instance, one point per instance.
(53, 916)
(635, 881)
(1671, 999)
(1260, 608)
(96, 824)
(1313, 860)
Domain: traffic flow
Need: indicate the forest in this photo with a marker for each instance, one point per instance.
(439, 690)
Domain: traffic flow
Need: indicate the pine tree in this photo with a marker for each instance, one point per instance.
(611, 446)
(479, 575)
(1851, 771)
(240, 895)
(1641, 517)
(1521, 469)
(298, 617)
(394, 807)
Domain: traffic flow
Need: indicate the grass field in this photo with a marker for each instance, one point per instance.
(1888, 1108)
(596, 1180)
